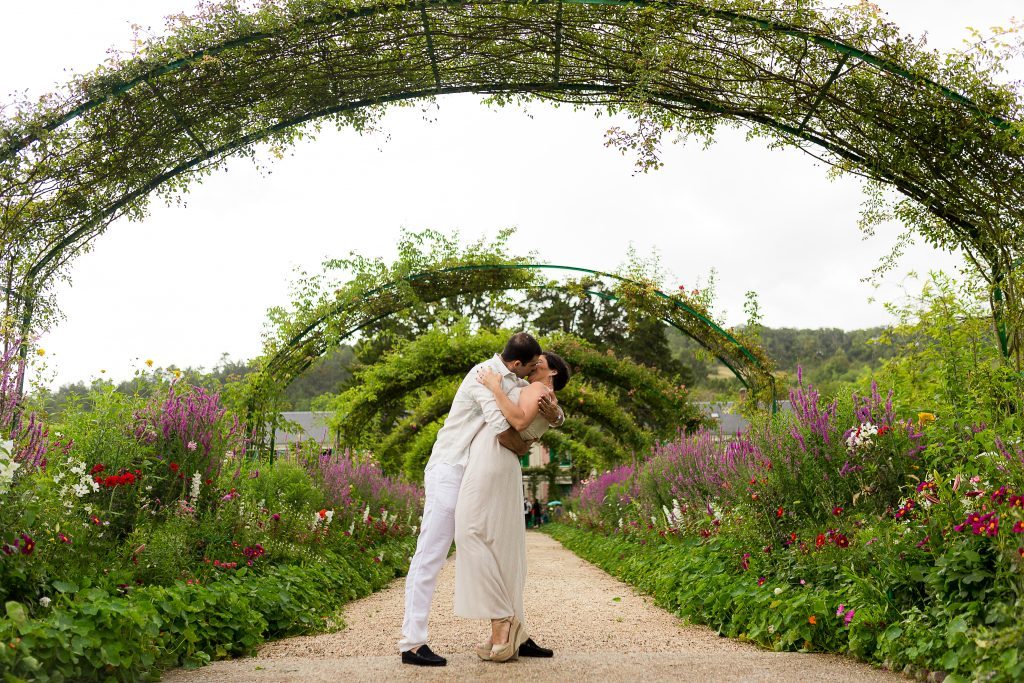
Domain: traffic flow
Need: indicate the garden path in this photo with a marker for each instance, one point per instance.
(600, 628)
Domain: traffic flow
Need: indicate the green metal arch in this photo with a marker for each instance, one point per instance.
(282, 369)
(117, 89)
(599, 77)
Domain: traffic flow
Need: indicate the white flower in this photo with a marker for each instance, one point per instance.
(197, 482)
(861, 436)
(44, 601)
(80, 490)
(352, 527)
(6, 447)
(330, 516)
(778, 591)
(366, 515)
(620, 522)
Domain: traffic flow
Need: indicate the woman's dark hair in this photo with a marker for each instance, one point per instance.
(561, 369)
(521, 347)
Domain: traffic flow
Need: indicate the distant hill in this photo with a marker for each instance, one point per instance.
(829, 357)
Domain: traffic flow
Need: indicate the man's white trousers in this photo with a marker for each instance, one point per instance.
(437, 531)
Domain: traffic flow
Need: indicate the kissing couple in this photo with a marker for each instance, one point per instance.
(474, 493)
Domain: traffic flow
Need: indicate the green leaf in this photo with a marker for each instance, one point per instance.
(16, 612)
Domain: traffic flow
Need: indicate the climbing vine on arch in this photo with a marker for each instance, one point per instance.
(436, 281)
(615, 407)
(839, 83)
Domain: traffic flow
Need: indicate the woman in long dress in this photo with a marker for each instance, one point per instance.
(490, 537)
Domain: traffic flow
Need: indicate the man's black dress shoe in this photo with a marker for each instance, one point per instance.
(532, 649)
(423, 657)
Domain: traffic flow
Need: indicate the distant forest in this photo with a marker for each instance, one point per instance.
(829, 358)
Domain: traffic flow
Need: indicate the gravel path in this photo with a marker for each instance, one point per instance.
(599, 627)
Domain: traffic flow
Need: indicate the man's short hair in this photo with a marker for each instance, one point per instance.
(521, 347)
(561, 369)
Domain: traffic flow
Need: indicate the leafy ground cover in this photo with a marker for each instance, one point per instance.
(137, 532)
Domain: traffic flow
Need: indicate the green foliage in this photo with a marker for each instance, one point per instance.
(392, 401)
(97, 635)
(288, 487)
(945, 358)
(798, 607)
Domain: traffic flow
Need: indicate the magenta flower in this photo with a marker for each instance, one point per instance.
(841, 610)
(848, 618)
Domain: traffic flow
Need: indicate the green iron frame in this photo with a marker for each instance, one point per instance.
(113, 88)
(282, 365)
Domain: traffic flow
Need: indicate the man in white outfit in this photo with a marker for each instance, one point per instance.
(473, 409)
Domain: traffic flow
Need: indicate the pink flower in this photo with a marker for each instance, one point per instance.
(841, 610)
(848, 618)
(191, 445)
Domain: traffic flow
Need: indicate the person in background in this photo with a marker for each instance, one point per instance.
(527, 511)
(536, 512)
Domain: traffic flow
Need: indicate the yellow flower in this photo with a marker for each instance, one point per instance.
(177, 374)
(925, 418)
(149, 362)
(102, 372)
(41, 352)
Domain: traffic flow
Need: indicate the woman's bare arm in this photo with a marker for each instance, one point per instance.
(518, 415)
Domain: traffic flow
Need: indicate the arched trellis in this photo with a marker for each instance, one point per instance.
(320, 330)
(836, 83)
(617, 407)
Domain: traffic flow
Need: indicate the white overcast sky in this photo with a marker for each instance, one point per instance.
(190, 283)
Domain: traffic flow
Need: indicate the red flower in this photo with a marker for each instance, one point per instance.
(27, 545)
(842, 541)
(97, 468)
(174, 467)
(1018, 528)
(761, 580)
(837, 511)
(779, 512)
(819, 541)
(323, 514)
(64, 538)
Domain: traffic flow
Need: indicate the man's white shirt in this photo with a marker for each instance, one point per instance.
(473, 409)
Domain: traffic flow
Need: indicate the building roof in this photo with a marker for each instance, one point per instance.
(731, 423)
(312, 425)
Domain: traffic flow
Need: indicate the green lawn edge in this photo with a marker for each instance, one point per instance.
(99, 636)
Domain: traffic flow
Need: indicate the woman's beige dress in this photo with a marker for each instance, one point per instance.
(490, 532)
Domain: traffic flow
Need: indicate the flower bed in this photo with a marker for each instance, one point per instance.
(840, 527)
(98, 635)
(136, 533)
